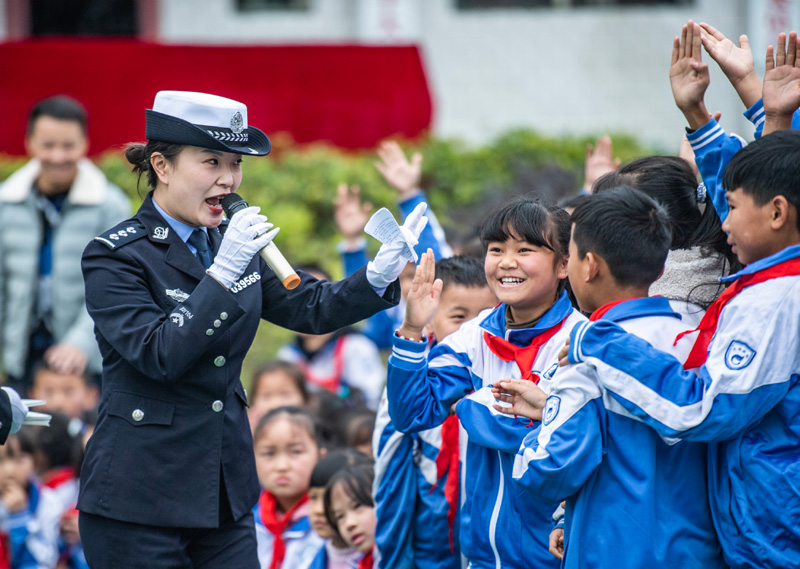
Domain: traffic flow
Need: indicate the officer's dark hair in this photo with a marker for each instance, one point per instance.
(462, 270)
(139, 155)
(537, 222)
(629, 230)
(296, 415)
(293, 371)
(356, 481)
(767, 168)
(671, 182)
(59, 107)
(332, 463)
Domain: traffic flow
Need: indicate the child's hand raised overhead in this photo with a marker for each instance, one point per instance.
(688, 76)
(422, 299)
(349, 213)
(736, 63)
(599, 161)
(781, 84)
(400, 173)
(526, 398)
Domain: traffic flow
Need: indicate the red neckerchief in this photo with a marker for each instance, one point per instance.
(600, 312)
(708, 325)
(523, 355)
(58, 477)
(334, 381)
(5, 551)
(448, 462)
(367, 561)
(268, 508)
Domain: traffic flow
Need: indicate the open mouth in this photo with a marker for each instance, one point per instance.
(215, 203)
(511, 281)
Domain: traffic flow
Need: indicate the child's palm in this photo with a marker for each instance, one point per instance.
(782, 90)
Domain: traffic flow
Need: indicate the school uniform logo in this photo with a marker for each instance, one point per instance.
(551, 408)
(550, 372)
(739, 355)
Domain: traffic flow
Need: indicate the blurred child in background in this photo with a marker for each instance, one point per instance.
(276, 384)
(335, 554)
(70, 393)
(351, 511)
(286, 451)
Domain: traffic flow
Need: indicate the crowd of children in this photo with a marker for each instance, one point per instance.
(611, 387)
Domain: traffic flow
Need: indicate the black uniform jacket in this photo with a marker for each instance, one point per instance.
(172, 423)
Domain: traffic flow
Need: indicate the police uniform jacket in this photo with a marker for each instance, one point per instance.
(5, 416)
(172, 425)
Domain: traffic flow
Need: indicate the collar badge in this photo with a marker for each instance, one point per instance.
(160, 233)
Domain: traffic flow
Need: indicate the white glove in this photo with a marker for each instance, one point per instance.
(388, 263)
(247, 233)
(18, 409)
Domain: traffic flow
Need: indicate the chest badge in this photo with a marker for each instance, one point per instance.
(551, 408)
(177, 294)
(176, 318)
(738, 355)
(160, 233)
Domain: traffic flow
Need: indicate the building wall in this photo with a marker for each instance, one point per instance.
(559, 70)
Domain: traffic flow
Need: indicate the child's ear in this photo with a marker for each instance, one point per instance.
(782, 213)
(592, 266)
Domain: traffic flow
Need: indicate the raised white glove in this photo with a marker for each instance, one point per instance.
(18, 409)
(248, 232)
(388, 263)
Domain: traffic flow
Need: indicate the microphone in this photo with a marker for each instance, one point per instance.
(270, 253)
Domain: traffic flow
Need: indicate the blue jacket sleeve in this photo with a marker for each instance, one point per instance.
(557, 459)
(723, 398)
(713, 149)
(421, 390)
(755, 115)
(394, 491)
(489, 428)
(432, 235)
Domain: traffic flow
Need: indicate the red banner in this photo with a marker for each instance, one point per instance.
(351, 96)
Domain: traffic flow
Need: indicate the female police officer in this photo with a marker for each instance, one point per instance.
(169, 478)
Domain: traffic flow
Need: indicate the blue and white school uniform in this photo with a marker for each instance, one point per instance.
(745, 400)
(633, 500)
(33, 532)
(500, 524)
(302, 542)
(330, 557)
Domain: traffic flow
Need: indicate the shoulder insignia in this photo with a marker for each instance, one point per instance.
(122, 234)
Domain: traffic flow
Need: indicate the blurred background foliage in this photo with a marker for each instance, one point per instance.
(296, 184)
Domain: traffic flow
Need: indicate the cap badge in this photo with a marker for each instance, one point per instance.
(237, 123)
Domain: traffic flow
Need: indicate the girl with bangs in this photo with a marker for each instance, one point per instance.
(526, 244)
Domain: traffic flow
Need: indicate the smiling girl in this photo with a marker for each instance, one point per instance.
(526, 244)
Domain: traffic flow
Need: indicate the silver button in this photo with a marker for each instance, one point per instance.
(219, 361)
(209, 332)
(217, 323)
(217, 406)
(137, 415)
(223, 315)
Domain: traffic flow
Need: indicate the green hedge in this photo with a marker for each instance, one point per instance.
(295, 187)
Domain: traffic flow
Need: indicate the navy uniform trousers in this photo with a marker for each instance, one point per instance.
(172, 454)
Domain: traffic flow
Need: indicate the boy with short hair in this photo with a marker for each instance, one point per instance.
(632, 500)
(67, 392)
(416, 475)
(745, 395)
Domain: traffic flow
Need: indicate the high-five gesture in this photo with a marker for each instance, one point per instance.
(422, 299)
(781, 84)
(736, 63)
(400, 173)
(688, 75)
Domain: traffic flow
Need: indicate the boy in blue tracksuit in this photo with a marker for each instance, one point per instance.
(745, 395)
(417, 474)
(622, 483)
(525, 266)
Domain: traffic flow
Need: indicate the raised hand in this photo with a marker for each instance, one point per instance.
(735, 61)
(599, 161)
(525, 397)
(781, 83)
(400, 173)
(688, 75)
(349, 213)
(422, 299)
